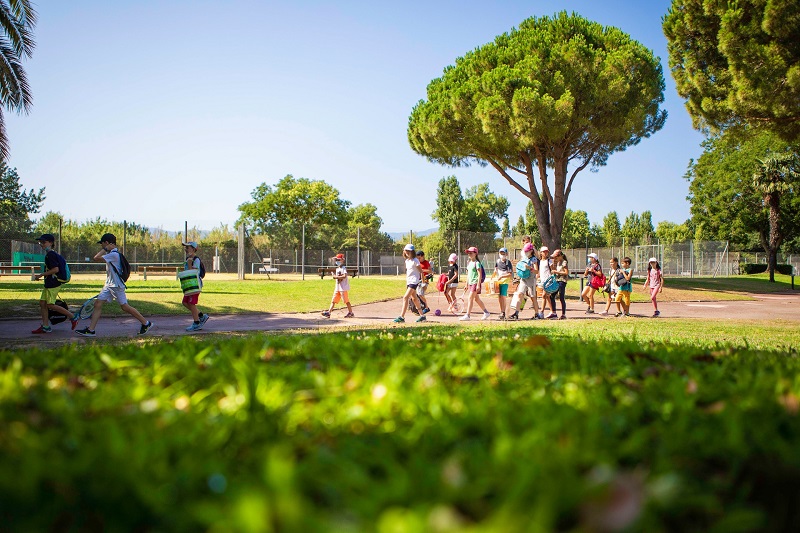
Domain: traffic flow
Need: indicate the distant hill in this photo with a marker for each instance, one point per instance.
(399, 235)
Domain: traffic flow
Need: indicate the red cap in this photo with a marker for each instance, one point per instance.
(340, 256)
(471, 249)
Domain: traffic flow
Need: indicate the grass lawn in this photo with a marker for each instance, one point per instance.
(663, 426)
(163, 296)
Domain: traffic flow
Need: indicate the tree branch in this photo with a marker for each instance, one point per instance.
(572, 178)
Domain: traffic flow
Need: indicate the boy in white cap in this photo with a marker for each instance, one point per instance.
(526, 272)
(452, 279)
(413, 278)
(504, 272)
(190, 300)
(342, 289)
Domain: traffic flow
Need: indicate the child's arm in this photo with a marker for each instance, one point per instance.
(50, 272)
(99, 256)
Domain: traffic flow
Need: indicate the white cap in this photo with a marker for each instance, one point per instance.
(544, 249)
(409, 248)
(652, 260)
(593, 256)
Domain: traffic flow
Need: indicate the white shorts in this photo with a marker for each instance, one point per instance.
(453, 286)
(109, 294)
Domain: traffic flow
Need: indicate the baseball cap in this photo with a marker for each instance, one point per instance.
(47, 237)
(420, 252)
(453, 258)
(340, 256)
(544, 249)
(652, 260)
(409, 248)
(503, 250)
(528, 247)
(108, 237)
(557, 251)
(190, 243)
(593, 256)
(471, 249)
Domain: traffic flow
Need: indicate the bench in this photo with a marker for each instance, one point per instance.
(267, 267)
(18, 271)
(351, 271)
(160, 271)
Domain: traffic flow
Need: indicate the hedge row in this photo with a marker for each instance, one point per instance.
(758, 268)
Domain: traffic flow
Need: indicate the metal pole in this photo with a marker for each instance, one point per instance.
(303, 251)
(358, 249)
(240, 255)
(124, 235)
(60, 222)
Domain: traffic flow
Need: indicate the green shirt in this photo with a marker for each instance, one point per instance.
(473, 272)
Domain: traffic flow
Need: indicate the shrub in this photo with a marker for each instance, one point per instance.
(758, 268)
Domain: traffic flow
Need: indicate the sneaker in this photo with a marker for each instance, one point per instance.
(486, 315)
(399, 319)
(326, 314)
(502, 316)
(619, 314)
(604, 313)
(514, 316)
(145, 327)
(589, 311)
(194, 327)
(74, 322)
(465, 318)
(85, 332)
(552, 315)
(563, 317)
(421, 319)
(42, 329)
(349, 315)
(540, 316)
(203, 320)
(657, 313)
(425, 310)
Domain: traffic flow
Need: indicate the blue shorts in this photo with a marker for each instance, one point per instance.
(413, 286)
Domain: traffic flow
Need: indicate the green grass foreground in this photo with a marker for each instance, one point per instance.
(435, 429)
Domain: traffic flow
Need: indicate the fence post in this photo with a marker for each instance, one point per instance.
(240, 254)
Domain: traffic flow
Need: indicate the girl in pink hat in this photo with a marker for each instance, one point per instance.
(474, 284)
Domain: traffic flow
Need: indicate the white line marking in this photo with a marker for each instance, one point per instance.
(715, 306)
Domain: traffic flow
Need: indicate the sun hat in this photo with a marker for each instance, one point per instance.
(593, 256)
(108, 237)
(528, 247)
(471, 249)
(340, 256)
(453, 258)
(409, 248)
(503, 250)
(47, 237)
(544, 249)
(652, 260)
(190, 243)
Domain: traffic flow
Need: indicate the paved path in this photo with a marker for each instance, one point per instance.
(780, 306)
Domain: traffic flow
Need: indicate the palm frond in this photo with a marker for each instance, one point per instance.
(5, 149)
(17, 31)
(15, 93)
(23, 10)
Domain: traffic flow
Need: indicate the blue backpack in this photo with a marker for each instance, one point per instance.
(63, 275)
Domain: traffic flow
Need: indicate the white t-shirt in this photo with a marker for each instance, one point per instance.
(544, 270)
(112, 277)
(413, 271)
(342, 285)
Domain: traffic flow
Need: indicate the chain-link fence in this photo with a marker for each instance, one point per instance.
(249, 254)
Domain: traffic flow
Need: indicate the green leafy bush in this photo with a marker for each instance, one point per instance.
(423, 430)
(758, 268)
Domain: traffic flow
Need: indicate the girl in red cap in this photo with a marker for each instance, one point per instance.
(342, 288)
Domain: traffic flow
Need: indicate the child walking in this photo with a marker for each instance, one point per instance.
(624, 293)
(526, 272)
(413, 278)
(426, 277)
(474, 284)
(612, 294)
(190, 300)
(114, 288)
(656, 281)
(452, 280)
(504, 272)
(340, 292)
(544, 273)
(561, 271)
(47, 301)
(593, 270)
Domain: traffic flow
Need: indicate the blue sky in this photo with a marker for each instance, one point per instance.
(160, 111)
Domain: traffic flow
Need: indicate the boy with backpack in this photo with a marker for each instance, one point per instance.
(117, 272)
(190, 300)
(56, 272)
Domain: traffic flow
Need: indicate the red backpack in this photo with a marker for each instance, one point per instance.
(442, 282)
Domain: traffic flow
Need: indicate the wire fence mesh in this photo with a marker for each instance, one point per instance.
(253, 254)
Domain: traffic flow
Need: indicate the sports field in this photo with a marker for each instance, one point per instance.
(673, 424)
